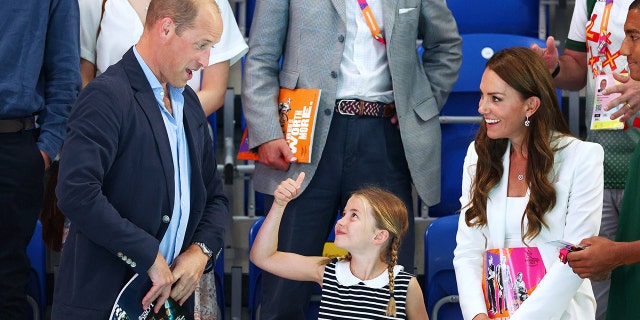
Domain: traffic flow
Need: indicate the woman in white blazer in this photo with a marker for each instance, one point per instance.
(526, 181)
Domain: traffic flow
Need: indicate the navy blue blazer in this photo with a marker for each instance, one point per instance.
(116, 185)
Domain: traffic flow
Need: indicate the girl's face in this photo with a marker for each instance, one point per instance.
(503, 108)
(356, 228)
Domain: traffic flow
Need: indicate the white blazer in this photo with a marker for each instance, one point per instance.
(577, 177)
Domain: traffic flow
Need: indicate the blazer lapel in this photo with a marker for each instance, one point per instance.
(192, 127)
(341, 8)
(147, 102)
(390, 10)
(497, 206)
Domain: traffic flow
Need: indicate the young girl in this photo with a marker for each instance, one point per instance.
(366, 283)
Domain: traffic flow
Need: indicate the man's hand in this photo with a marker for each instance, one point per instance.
(276, 154)
(46, 159)
(161, 279)
(394, 120)
(548, 54)
(187, 270)
(629, 98)
(598, 259)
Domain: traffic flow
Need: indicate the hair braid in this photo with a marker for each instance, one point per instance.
(393, 259)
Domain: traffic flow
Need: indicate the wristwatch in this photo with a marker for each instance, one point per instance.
(204, 248)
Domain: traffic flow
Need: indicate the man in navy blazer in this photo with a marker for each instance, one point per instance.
(138, 176)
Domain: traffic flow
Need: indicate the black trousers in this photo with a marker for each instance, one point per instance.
(360, 152)
(21, 191)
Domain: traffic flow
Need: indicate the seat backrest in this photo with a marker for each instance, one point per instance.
(439, 275)
(497, 16)
(463, 101)
(36, 287)
(477, 48)
(255, 273)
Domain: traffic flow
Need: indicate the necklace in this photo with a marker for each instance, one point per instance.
(520, 177)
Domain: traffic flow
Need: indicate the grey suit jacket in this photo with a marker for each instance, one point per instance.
(309, 34)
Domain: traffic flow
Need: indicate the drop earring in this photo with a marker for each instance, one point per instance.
(527, 122)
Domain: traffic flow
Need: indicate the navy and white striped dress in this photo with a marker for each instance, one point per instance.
(346, 297)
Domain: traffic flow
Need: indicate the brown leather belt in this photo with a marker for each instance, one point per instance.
(15, 125)
(352, 107)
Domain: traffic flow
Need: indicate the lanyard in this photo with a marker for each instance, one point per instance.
(604, 24)
(371, 21)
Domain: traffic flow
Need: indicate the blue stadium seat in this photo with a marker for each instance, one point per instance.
(463, 101)
(36, 287)
(213, 125)
(255, 273)
(497, 16)
(441, 291)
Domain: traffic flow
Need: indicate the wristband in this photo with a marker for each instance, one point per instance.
(556, 70)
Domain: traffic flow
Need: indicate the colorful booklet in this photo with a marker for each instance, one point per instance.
(297, 109)
(128, 305)
(601, 119)
(511, 275)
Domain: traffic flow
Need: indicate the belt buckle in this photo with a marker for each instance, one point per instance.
(344, 113)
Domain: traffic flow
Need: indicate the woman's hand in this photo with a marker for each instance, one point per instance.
(481, 316)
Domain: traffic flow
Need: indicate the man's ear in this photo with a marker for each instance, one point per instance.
(166, 26)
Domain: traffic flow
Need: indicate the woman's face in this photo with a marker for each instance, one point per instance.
(502, 107)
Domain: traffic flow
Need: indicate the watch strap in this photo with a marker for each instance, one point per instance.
(204, 248)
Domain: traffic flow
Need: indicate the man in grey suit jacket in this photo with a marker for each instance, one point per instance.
(394, 142)
(138, 175)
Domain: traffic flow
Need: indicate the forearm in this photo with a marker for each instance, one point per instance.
(266, 243)
(627, 252)
(214, 87)
(88, 71)
(260, 82)
(61, 71)
(573, 71)
(212, 225)
(211, 101)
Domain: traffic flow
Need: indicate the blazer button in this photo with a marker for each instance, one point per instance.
(129, 261)
(334, 74)
(133, 264)
(120, 254)
(166, 219)
(341, 38)
(327, 112)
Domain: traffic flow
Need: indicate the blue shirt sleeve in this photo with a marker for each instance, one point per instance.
(61, 72)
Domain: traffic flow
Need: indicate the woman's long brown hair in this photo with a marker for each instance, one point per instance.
(524, 71)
